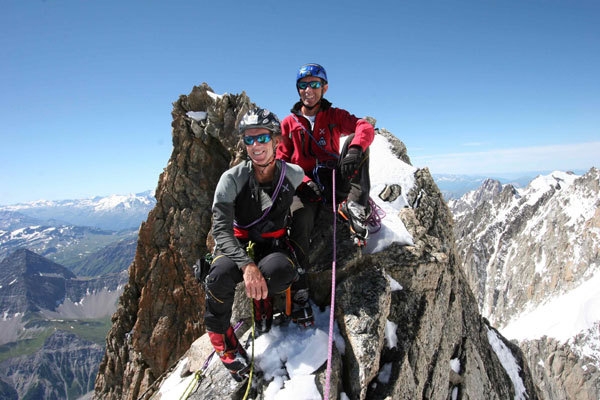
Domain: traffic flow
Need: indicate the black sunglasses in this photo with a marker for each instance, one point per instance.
(312, 84)
(262, 138)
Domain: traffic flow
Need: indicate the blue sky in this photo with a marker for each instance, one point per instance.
(479, 87)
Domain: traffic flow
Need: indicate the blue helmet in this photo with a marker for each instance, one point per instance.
(311, 70)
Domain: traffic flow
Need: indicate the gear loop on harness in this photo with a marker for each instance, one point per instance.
(250, 249)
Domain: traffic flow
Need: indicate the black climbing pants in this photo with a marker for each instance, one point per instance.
(357, 190)
(224, 275)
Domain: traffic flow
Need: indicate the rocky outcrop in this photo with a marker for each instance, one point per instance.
(560, 372)
(523, 248)
(39, 299)
(160, 311)
(30, 282)
(64, 368)
(444, 347)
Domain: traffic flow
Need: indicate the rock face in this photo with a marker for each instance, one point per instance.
(64, 368)
(560, 372)
(40, 299)
(30, 282)
(443, 344)
(160, 312)
(522, 248)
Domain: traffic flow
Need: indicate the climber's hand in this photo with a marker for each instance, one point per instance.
(350, 163)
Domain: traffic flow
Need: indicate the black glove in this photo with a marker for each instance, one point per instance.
(350, 163)
(309, 192)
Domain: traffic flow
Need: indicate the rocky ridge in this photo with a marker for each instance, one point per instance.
(553, 222)
(49, 319)
(75, 247)
(522, 248)
(64, 368)
(438, 323)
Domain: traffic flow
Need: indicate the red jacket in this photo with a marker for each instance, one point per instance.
(306, 147)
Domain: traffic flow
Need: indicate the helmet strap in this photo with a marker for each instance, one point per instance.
(264, 166)
(267, 164)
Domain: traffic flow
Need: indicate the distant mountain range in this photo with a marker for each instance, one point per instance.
(454, 186)
(63, 266)
(53, 326)
(75, 247)
(531, 257)
(115, 212)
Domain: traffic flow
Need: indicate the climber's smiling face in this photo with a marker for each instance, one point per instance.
(311, 89)
(259, 145)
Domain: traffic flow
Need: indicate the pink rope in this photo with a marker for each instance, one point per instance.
(375, 217)
(332, 307)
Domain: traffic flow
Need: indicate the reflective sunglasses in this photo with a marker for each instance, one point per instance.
(262, 138)
(312, 84)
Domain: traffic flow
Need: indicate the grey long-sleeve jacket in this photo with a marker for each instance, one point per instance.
(240, 198)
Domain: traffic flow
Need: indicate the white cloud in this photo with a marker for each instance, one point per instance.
(576, 156)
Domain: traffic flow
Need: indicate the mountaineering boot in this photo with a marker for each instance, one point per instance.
(302, 313)
(263, 315)
(356, 216)
(232, 354)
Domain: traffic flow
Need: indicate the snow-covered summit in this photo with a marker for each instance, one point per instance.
(531, 256)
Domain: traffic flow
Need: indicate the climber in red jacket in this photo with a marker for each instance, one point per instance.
(311, 138)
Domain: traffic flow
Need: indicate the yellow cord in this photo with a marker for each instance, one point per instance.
(198, 374)
(188, 389)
